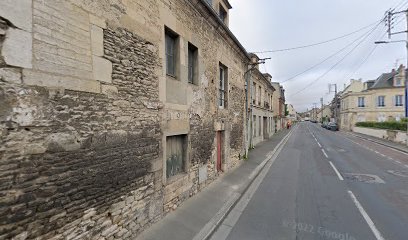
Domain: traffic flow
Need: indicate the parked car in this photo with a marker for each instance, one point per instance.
(332, 126)
(324, 124)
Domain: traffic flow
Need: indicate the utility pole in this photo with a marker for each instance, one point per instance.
(248, 96)
(321, 111)
(335, 100)
(389, 24)
(315, 111)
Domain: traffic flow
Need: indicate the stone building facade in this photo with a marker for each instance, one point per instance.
(113, 112)
(377, 100)
(278, 104)
(262, 124)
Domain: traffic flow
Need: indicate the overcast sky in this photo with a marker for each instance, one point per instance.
(262, 25)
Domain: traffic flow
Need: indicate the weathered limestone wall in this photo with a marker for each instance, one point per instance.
(201, 109)
(79, 126)
(85, 110)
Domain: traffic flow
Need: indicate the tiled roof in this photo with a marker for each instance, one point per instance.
(384, 81)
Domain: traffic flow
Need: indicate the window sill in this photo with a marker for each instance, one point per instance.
(192, 83)
(172, 77)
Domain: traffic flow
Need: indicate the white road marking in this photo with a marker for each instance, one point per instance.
(370, 222)
(396, 150)
(337, 172)
(319, 144)
(325, 154)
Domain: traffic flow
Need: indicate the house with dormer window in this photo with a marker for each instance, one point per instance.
(376, 100)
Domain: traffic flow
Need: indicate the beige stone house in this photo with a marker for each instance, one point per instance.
(262, 125)
(292, 114)
(377, 100)
(324, 113)
(114, 112)
(278, 104)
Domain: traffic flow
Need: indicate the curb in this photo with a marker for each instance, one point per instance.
(210, 228)
(378, 142)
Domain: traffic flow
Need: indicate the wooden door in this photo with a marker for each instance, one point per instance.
(220, 153)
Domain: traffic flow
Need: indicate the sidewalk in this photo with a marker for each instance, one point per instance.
(197, 216)
(398, 146)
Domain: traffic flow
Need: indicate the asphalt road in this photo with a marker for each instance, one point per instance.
(327, 185)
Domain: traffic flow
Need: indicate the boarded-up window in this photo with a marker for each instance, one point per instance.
(175, 155)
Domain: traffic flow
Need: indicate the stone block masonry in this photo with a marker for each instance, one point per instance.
(86, 107)
(77, 164)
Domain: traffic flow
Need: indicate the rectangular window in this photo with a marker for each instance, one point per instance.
(254, 126)
(223, 86)
(260, 126)
(398, 82)
(361, 102)
(254, 96)
(192, 63)
(171, 52)
(399, 100)
(175, 155)
(223, 14)
(381, 101)
(260, 95)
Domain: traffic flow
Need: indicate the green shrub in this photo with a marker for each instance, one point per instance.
(391, 125)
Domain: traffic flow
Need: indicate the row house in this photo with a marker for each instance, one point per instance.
(291, 113)
(278, 104)
(324, 114)
(261, 123)
(376, 100)
(115, 112)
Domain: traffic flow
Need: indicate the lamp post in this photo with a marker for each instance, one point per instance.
(406, 78)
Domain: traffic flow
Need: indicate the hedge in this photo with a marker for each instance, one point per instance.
(391, 125)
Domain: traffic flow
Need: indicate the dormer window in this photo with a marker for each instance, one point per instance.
(398, 82)
(222, 13)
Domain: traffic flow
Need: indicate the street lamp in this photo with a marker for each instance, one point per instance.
(406, 78)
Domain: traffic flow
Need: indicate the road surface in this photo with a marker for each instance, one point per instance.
(326, 185)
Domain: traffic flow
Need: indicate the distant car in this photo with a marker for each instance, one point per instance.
(332, 126)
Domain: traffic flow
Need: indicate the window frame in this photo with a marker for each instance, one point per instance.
(171, 39)
(192, 64)
(361, 104)
(381, 103)
(399, 103)
(222, 86)
(222, 13)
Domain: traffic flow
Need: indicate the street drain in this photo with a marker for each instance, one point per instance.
(398, 173)
(364, 178)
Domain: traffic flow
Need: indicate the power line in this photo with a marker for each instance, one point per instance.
(319, 43)
(338, 62)
(372, 50)
(328, 58)
(400, 5)
(365, 57)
